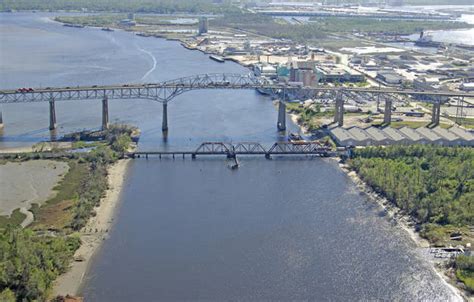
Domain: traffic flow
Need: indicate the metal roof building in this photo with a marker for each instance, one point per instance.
(379, 138)
(413, 136)
(451, 138)
(467, 137)
(342, 137)
(432, 137)
(361, 137)
(395, 136)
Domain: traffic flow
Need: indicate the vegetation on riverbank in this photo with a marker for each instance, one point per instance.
(140, 6)
(31, 259)
(434, 185)
(320, 27)
(371, 25)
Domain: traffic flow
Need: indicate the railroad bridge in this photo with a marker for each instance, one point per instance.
(165, 92)
(231, 150)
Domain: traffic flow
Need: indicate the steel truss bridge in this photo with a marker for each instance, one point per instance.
(231, 150)
(166, 91)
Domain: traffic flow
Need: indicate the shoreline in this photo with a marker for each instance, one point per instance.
(405, 222)
(94, 233)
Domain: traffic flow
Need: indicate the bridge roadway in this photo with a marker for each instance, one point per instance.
(164, 92)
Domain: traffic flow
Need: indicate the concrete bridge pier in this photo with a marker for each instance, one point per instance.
(52, 115)
(339, 110)
(436, 113)
(281, 124)
(387, 116)
(164, 124)
(105, 114)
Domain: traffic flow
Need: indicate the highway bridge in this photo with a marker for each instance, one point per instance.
(166, 91)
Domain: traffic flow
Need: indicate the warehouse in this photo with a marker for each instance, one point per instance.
(361, 137)
(450, 138)
(379, 138)
(432, 137)
(342, 137)
(413, 136)
(467, 137)
(395, 136)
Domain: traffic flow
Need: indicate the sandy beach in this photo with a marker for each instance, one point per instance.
(26, 183)
(94, 233)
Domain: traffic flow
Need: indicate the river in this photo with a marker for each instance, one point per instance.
(282, 229)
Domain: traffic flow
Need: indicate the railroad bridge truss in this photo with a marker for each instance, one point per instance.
(231, 150)
(165, 92)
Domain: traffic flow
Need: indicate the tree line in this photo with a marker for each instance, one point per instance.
(139, 6)
(434, 185)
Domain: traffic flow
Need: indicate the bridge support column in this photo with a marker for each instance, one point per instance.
(52, 115)
(387, 116)
(281, 124)
(339, 110)
(105, 114)
(436, 113)
(164, 124)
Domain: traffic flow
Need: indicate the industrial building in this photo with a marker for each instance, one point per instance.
(432, 137)
(413, 136)
(361, 136)
(450, 139)
(389, 77)
(203, 25)
(337, 73)
(342, 137)
(378, 136)
(466, 136)
(374, 136)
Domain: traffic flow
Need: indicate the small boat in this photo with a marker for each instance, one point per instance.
(107, 29)
(217, 58)
(293, 137)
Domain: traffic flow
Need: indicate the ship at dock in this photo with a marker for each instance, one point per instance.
(427, 41)
(107, 29)
(73, 25)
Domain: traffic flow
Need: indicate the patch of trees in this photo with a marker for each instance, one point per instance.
(268, 26)
(333, 24)
(139, 6)
(435, 185)
(465, 271)
(432, 184)
(29, 264)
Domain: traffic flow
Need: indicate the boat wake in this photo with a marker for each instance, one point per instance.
(154, 62)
